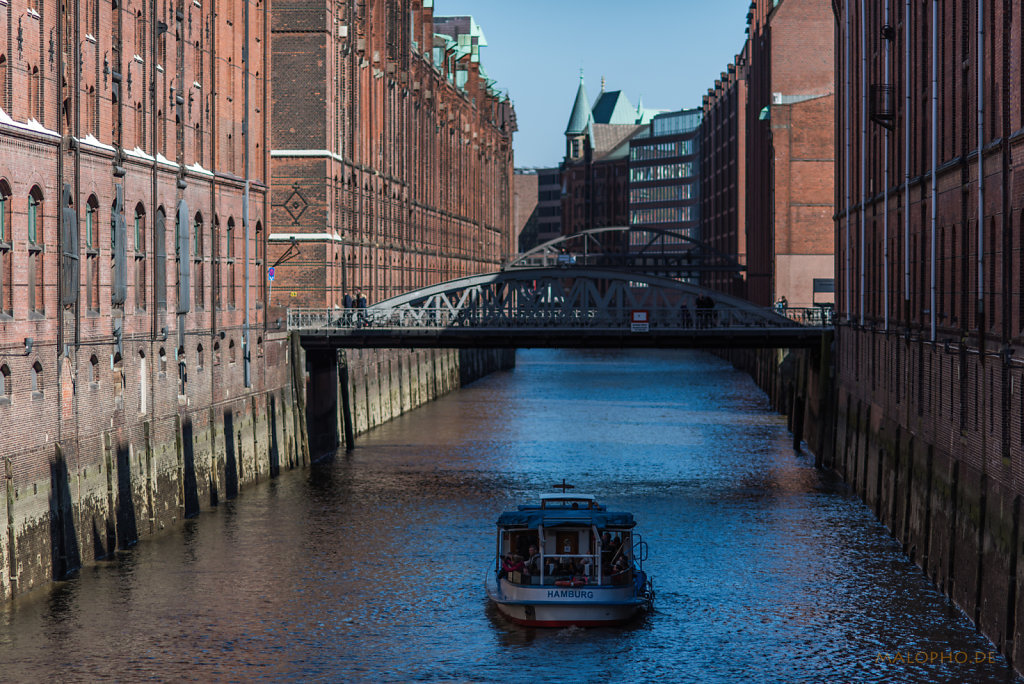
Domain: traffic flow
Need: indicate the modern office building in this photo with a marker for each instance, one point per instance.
(664, 179)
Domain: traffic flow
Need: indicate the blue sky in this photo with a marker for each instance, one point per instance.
(668, 51)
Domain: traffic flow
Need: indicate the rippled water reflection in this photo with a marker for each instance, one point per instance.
(371, 567)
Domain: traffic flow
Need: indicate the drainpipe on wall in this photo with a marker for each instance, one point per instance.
(981, 165)
(935, 152)
(906, 161)
(245, 198)
(846, 139)
(885, 188)
(863, 147)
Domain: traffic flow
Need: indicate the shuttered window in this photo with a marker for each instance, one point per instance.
(160, 260)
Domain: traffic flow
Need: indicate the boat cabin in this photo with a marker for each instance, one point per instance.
(577, 542)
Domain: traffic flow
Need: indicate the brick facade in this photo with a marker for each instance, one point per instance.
(723, 179)
(789, 149)
(930, 288)
(392, 158)
(124, 401)
(138, 101)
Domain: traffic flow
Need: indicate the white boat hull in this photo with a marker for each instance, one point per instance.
(556, 606)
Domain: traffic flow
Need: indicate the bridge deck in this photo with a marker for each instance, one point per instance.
(587, 338)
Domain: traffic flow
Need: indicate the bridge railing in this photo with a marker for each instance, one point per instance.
(496, 316)
(810, 315)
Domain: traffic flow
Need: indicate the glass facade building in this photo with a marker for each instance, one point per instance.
(664, 176)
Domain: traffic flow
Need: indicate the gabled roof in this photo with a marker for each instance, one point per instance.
(609, 141)
(580, 116)
(613, 107)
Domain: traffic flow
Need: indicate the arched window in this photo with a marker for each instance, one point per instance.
(216, 353)
(117, 252)
(229, 254)
(163, 361)
(140, 32)
(140, 125)
(36, 239)
(160, 260)
(92, 254)
(4, 102)
(6, 251)
(35, 104)
(218, 252)
(118, 369)
(197, 258)
(143, 381)
(231, 351)
(6, 390)
(199, 357)
(91, 124)
(261, 253)
(182, 371)
(37, 380)
(141, 292)
(94, 371)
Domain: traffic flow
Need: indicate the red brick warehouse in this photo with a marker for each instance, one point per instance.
(723, 182)
(789, 149)
(392, 151)
(930, 288)
(130, 133)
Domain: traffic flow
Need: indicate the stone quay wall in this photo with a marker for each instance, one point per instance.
(355, 390)
(76, 497)
(127, 480)
(957, 522)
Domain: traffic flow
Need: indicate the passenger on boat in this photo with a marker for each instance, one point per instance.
(616, 545)
(532, 565)
(620, 570)
(607, 552)
(512, 564)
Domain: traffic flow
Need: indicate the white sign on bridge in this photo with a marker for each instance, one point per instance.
(641, 322)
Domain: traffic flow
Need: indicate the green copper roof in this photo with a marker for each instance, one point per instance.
(613, 107)
(580, 116)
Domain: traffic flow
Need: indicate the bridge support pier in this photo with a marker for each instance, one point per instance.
(322, 402)
(346, 401)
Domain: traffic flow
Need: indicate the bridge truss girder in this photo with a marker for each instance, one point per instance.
(559, 307)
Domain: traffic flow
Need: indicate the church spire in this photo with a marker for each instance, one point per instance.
(580, 116)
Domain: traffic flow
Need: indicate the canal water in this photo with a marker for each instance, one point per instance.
(371, 567)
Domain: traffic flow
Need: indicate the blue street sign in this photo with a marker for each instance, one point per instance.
(270, 274)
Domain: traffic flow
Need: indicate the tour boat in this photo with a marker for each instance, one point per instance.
(568, 561)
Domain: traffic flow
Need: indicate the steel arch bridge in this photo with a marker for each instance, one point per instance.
(642, 249)
(560, 307)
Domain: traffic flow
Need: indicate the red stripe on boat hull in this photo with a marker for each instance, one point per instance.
(568, 623)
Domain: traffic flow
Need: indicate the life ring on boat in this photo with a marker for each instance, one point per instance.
(574, 582)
